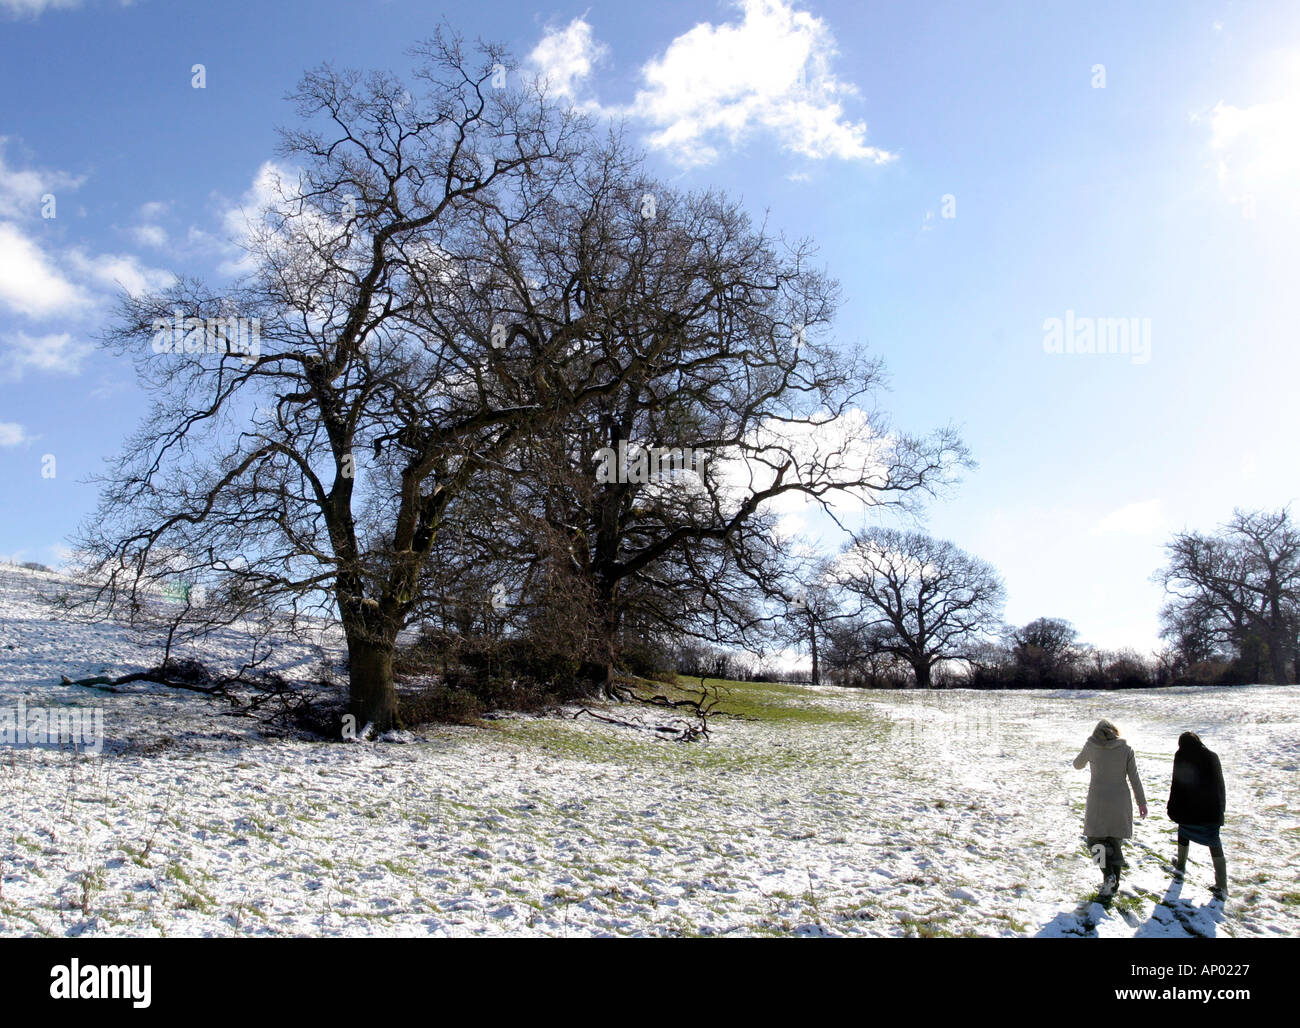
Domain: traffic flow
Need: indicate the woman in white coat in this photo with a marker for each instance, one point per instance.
(1108, 818)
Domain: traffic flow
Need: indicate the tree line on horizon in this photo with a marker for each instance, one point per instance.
(918, 613)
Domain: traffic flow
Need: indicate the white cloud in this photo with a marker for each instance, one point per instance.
(29, 283)
(565, 57)
(50, 284)
(150, 235)
(147, 233)
(1143, 518)
(716, 85)
(108, 388)
(769, 72)
(272, 186)
(244, 222)
(1257, 148)
(55, 353)
(115, 271)
(12, 434)
(34, 8)
(837, 450)
(21, 190)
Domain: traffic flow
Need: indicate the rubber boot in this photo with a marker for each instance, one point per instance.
(1220, 874)
(1180, 864)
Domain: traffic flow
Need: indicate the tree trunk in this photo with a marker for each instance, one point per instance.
(599, 670)
(372, 691)
(922, 669)
(599, 677)
(812, 638)
(1277, 660)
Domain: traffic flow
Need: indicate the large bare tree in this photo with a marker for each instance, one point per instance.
(312, 470)
(465, 298)
(708, 350)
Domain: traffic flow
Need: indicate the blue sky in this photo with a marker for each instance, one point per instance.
(1107, 159)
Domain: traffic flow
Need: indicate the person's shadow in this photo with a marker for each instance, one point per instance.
(1175, 917)
(1080, 923)
(1172, 917)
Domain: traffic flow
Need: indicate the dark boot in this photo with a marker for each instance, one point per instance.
(1220, 874)
(1180, 864)
(1117, 862)
(1114, 865)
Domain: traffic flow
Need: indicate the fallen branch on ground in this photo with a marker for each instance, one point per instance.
(682, 731)
(259, 690)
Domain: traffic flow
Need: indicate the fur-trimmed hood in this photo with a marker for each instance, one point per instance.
(1105, 734)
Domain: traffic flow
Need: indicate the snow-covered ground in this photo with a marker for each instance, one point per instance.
(832, 813)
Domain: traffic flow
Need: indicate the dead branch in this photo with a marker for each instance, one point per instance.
(263, 688)
(682, 731)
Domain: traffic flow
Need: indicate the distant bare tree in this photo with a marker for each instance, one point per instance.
(937, 601)
(1045, 652)
(859, 652)
(811, 612)
(1241, 584)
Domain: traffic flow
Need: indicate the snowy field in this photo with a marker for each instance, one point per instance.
(824, 812)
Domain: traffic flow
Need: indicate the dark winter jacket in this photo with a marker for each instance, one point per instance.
(1196, 795)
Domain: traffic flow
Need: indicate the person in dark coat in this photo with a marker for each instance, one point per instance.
(1197, 800)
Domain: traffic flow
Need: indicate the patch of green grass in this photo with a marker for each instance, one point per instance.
(28, 844)
(193, 897)
(1017, 926)
(136, 855)
(178, 874)
(196, 900)
(780, 702)
(924, 929)
(1289, 899)
(791, 706)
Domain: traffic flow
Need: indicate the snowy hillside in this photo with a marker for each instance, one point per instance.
(831, 812)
